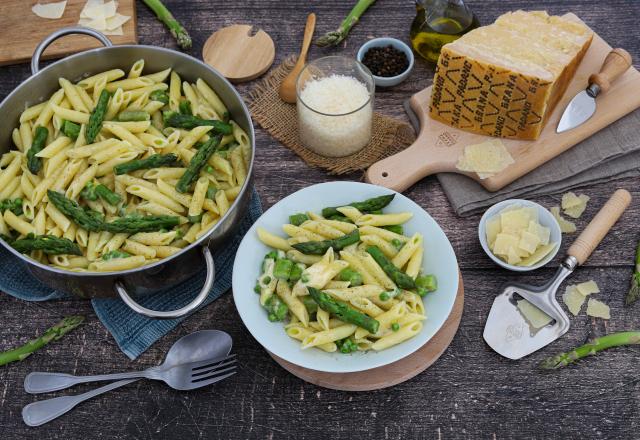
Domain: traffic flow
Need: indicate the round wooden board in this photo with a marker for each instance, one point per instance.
(392, 374)
(237, 54)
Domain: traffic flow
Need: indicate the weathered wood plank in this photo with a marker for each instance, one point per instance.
(469, 393)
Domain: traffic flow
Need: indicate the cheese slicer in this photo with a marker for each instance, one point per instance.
(583, 105)
(506, 330)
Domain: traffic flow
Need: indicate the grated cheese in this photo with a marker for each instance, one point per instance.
(573, 299)
(51, 11)
(565, 225)
(335, 115)
(486, 158)
(598, 309)
(535, 317)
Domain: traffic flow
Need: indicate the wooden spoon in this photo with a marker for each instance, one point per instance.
(287, 90)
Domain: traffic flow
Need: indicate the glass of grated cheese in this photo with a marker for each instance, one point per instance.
(335, 106)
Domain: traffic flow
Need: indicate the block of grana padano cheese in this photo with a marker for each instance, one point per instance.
(505, 79)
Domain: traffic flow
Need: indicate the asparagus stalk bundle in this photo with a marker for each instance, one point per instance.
(320, 247)
(49, 244)
(343, 312)
(34, 163)
(591, 348)
(334, 38)
(634, 291)
(174, 26)
(189, 122)
(52, 334)
(367, 206)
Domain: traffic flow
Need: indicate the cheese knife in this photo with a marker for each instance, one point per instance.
(583, 105)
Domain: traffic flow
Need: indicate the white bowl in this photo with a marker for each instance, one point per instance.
(388, 81)
(439, 259)
(545, 219)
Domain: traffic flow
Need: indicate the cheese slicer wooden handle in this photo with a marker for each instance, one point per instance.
(604, 220)
(615, 64)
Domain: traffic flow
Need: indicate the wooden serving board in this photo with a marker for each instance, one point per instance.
(391, 374)
(21, 30)
(438, 145)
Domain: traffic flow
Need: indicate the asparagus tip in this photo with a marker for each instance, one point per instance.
(634, 293)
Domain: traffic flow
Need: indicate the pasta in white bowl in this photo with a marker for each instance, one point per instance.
(347, 284)
(120, 170)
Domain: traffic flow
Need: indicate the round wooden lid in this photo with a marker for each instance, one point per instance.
(237, 54)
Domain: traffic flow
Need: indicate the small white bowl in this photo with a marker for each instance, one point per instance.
(545, 219)
(388, 81)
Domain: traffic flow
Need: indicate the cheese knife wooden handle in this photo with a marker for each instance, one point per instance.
(615, 64)
(604, 220)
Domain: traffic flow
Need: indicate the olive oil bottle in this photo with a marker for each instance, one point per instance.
(437, 23)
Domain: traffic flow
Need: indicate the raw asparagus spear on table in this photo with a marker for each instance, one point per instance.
(335, 37)
(591, 348)
(366, 206)
(634, 291)
(342, 311)
(52, 334)
(165, 16)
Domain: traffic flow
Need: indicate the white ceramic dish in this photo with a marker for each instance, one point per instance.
(439, 259)
(388, 81)
(545, 219)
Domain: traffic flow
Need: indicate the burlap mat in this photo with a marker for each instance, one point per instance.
(280, 119)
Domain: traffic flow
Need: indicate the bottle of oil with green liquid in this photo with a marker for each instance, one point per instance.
(437, 23)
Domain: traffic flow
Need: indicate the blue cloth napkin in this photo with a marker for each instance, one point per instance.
(135, 333)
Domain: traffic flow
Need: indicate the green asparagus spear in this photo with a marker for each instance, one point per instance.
(320, 247)
(298, 219)
(309, 304)
(276, 308)
(348, 274)
(394, 228)
(401, 279)
(137, 223)
(153, 161)
(89, 191)
(174, 26)
(115, 254)
(366, 206)
(87, 219)
(196, 163)
(71, 129)
(282, 269)
(426, 284)
(97, 116)
(52, 334)
(34, 163)
(133, 116)
(13, 205)
(189, 122)
(342, 311)
(49, 244)
(593, 347)
(296, 272)
(335, 37)
(211, 192)
(159, 95)
(107, 195)
(634, 291)
(184, 108)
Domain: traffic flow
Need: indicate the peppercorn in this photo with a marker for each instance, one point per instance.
(385, 61)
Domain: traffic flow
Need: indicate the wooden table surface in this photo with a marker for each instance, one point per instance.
(469, 393)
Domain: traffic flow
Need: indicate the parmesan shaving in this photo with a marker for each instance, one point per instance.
(573, 299)
(535, 317)
(598, 309)
(587, 288)
(515, 236)
(51, 11)
(486, 159)
(565, 225)
(573, 205)
(103, 17)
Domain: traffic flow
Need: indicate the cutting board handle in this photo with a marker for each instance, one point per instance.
(615, 64)
(604, 220)
(37, 54)
(420, 159)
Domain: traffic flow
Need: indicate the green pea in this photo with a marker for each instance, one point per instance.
(395, 326)
(384, 296)
(266, 280)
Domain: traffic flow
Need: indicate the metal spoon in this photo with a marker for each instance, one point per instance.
(194, 361)
(287, 89)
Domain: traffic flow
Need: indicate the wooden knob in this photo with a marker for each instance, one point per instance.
(615, 64)
(604, 220)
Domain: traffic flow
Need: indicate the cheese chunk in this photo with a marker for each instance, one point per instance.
(486, 159)
(505, 79)
(535, 317)
(598, 309)
(587, 288)
(573, 299)
(565, 225)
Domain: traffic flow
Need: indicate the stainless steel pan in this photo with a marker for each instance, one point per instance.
(169, 271)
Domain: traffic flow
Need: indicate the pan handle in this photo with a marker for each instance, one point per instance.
(193, 305)
(37, 54)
